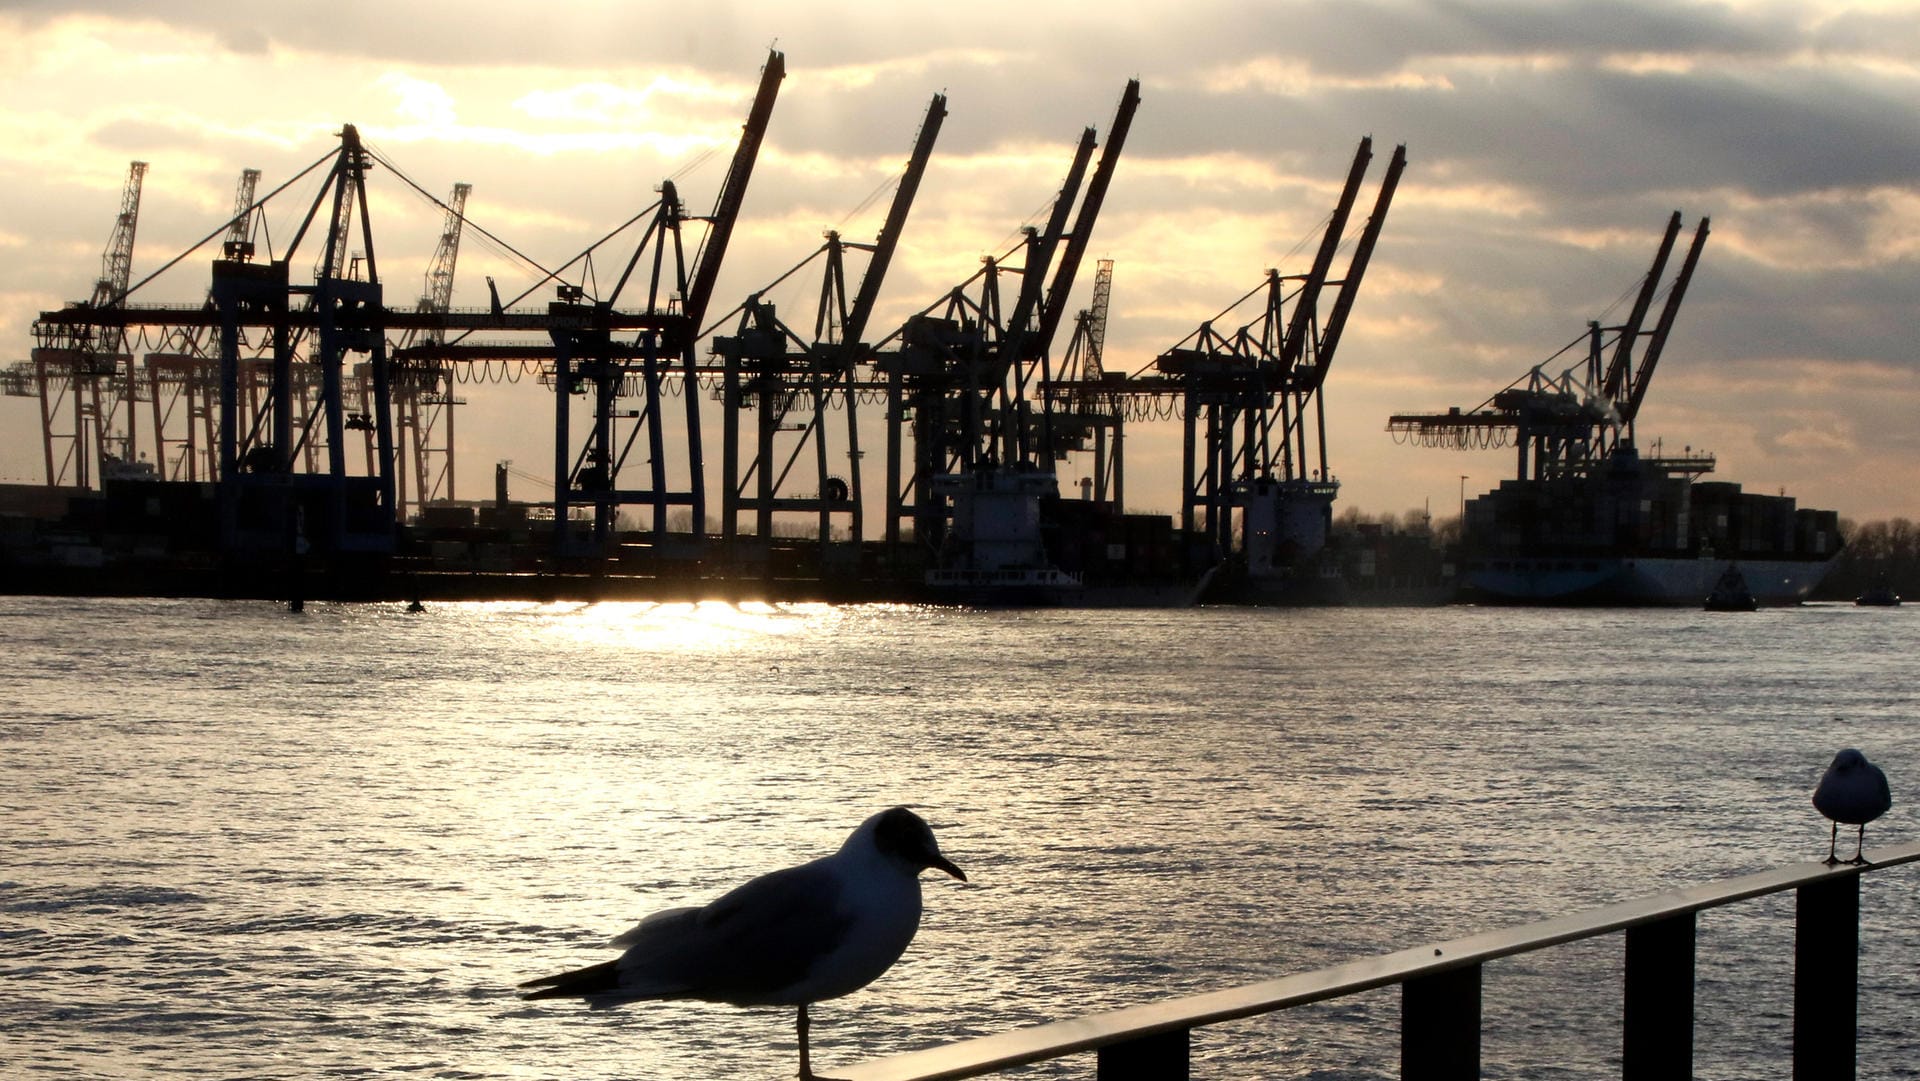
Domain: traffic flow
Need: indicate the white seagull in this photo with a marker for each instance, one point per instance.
(788, 938)
(1853, 791)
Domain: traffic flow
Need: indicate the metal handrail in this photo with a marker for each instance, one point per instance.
(1440, 1019)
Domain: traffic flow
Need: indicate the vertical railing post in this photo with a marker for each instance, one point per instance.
(1159, 1057)
(1826, 969)
(1440, 1026)
(1657, 1034)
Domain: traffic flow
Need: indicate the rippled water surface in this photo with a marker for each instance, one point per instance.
(246, 843)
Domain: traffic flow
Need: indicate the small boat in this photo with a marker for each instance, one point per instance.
(1878, 597)
(1730, 593)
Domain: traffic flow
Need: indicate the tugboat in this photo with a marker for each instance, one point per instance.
(1881, 596)
(1730, 593)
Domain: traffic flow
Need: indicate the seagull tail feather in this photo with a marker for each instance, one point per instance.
(597, 979)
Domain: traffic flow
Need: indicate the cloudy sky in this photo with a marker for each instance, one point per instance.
(1548, 143)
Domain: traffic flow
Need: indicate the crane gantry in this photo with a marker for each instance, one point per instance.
(793, 383)
(1255, 419)
(971, 377)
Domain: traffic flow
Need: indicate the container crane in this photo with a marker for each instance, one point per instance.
(1586, 518)
(971, 377)
(268, 505)
(1568, 423)
(85, 373)
(588, 362)
(424, 399)
(943, 374)
(778, 374)
(1255, 430)
(264, 504)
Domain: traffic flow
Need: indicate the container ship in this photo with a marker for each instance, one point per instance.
(1587, 519)
(1640, 531)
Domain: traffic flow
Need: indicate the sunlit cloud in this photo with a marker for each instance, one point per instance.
(1290, 77)
(1222, 172)
(1827, 230)
(1822, 434)
(1442, 187)
(914, 65)
(654, 102)
(419, 100)
(1650, 63)
(819, 166)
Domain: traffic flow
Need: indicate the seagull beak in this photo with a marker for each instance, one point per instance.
(947, 865)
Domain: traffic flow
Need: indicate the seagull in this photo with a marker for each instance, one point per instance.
(1853, 791)
(788, 938)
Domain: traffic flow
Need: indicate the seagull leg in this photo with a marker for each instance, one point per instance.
(801, 1025)
(1833, 840)
(1859, 844)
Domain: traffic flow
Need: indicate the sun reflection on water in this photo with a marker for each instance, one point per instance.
(651, 626)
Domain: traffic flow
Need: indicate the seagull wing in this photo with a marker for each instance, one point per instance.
(658, 923)
(745, 948)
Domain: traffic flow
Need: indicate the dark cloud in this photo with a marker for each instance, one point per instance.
(1350, 38)
(1747, 312)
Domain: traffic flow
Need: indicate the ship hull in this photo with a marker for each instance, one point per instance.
(1636, 580)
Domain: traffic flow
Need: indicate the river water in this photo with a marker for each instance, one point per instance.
(242, 842)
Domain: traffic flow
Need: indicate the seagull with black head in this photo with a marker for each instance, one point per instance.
(791, 937)
(1854, 791)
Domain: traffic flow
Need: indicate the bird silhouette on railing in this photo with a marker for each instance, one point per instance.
(788, 938)
(1853, 791)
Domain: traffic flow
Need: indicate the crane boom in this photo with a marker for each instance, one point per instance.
(1294, 344)
(1082, 234)
(238, 245)
(1622, 363)
(876, 272)
(116, 263)
(733, 191)
(1097, 320)
(1357, 269)
(1040, 249)
(439, 294)
(333, 255)
(1645, 373)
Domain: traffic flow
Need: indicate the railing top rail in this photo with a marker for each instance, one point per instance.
(987, 1054)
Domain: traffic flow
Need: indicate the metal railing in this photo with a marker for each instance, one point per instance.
(1440, 992)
